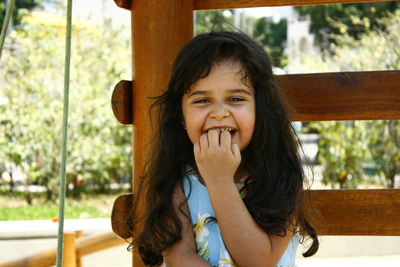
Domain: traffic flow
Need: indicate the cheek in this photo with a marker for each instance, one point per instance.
(194, 124)
(247, 129)
(247, 119)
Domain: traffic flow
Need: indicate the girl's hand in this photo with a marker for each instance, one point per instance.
(217, 158)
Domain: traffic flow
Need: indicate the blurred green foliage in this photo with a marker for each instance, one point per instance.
(21, 8)
(31, 95)
(47, 211)
(353, 19)
(342, 149)
(348, 149)
(272, 35)
(212, 20)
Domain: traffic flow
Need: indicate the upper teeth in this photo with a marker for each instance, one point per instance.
(224, 129)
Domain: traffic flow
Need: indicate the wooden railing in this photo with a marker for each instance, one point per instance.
(230, 4)
(75, 247)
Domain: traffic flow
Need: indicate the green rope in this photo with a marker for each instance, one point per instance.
(64, 135)
(4, 29)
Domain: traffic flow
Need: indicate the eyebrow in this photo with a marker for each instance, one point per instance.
(205, 92)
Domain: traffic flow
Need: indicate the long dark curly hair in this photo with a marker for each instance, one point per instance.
(276, 180)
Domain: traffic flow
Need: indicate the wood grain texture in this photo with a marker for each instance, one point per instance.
(122, 102)
(42, 259)
(98, 242)
(69, 250)
(230, 4)
(124, 3)
(160, 28)
(75, 247)
(332, 212)
(120, 215)
(372, 95)
(316, 97)
(355, 212)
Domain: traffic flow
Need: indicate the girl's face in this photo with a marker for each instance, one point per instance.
(223, 101)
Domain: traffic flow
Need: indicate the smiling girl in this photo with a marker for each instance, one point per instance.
(224, 184)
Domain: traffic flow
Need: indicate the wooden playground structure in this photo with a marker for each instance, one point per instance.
(161, 27)
(76, 246)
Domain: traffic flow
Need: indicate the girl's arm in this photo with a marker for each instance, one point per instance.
(183, 252)
(248, 244)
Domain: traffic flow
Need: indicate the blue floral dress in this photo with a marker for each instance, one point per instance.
(210, 245)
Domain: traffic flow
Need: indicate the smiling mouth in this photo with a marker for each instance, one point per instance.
(232, 131)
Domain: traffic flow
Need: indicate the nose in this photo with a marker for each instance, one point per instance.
(219, 112)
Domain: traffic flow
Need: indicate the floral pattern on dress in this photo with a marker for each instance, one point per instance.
(226, 261)
(201, 232)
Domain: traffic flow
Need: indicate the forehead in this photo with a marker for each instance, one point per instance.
(223, 75)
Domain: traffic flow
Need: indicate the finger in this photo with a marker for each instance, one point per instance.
(226, 140)
(203, 143)
(236, 151)
(196, 149)
(213, 138)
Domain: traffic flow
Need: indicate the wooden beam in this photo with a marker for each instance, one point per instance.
(120, 215)
(98, 242)
(231, 4)
(332, 212)
(69, 251)
(355, 212)
(124, 3)
(122, 101)
(41, 259)
(370, 95)
(367, 95)
(159, 29)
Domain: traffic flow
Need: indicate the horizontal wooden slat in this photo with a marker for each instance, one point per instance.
(40, 259)
(98, 242)
(124, 3)
(369, 95)
(316, 97)
(355, 212)
(230, 4)
(332, 212)
(120, 215)
(122, 102)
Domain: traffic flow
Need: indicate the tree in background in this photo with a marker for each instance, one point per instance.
(340, 142)
(352, 19)
(273, 36)
(31, 74)
(20, 9)
(213, 20)
(385, 149)
(342, 151)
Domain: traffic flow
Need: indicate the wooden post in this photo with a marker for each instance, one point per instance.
(159, 29)
(69, 251)
(78, 234)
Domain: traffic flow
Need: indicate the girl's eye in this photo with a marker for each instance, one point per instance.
(236, 99)
(201, 101)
